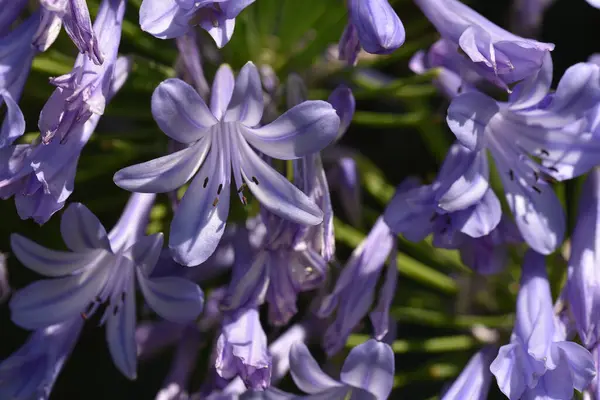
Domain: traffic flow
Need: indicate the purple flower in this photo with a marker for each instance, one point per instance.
(538, 362)
(496, 54)
(374, 26)
(75, 17)
(459, 202)
(594, 3)
(41, 177)
(242, 350)
(222, 136)
(534, 138)
(368, 372)
(16, 55)
(168, 19)
(474, 381)
(355, 289)
(83, 92)
(30, 372)
(583, 285)
(99, 269)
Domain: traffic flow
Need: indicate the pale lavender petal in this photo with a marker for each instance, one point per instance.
(82, 230)
(370, 366)
(120, 334)
(222, 90)
(380, 316)
(164, 19)
(579, 361)
(180, 112)
(484, 217)
(304, 129)
(246, 105)
(306, 373)
(534, 89)
(13, 126)
(474, 381)
(343, 102)
(507, 371)
(380, 31)
(468, 116)
(166, 173)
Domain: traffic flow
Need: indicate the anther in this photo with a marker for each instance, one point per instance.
(84, 316)
(215, 202)
(553, 169)
(244, 200)
(444, 230)
(241, 189)
(511, 174)
(98, 299)
(220, 188)
(544, 152)
(123, 295)
(433, 217)
(536, 175)
(537, 189)
(115, 310)
(255, 180)
(205, 182)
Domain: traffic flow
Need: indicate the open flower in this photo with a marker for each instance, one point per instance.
(168, 19)
(220, 143)
(100, 269)
(535, 138)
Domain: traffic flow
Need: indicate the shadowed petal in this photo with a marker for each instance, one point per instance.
(120, 335)
(162, 18)
(468, 116)
(380, 31)
(180, 112)
(82, 230)
(535, 88)
(50, 262)
(246, 105)
(274, 191)
(304, 129)
(484, 217)
(370, 366)
(13, 126)
(306, 372)
(222, 90)
(344, 103)
(166, 173)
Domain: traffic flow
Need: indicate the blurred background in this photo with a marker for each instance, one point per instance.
(396, 133)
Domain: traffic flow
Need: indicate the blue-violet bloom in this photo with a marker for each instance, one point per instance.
(473, 383)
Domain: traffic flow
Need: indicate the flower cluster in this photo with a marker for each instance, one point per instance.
(274, 279)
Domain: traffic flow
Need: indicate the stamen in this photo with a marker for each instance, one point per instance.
(244, 200)
(220, 188)
(553, 169)
(537, 189)
(123, 294)
(84, 316)
(544, 152)
(205, 182)
(255, 180)
(536, 175)
(215, 202)
(511, 174)
(241, 189)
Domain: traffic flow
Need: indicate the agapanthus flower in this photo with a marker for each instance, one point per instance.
(168, 19)
(594, 3)
(539, 362)
(534, 138)
(101, 269)
(474, 381)
(30, 372)
(496, 54)
(373, 26)
(16, 55)
(367, 372)
(222, 136)
(75, 17)
(583, 285)
(83, 92)
(242, 349)
(355, 289)
(41, 177)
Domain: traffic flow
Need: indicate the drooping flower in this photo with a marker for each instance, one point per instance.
(30, 372)
(41, 177)
(539, 362)
(534, 138)
(496, 54)
(474, 381)
(99, 269)
(242, 350)
(223, 136)
(83, 92)
(168, 19)
(16, 56)
(583, 285)
(368, 372)
(75, 17)
(373, 26)
(355, 289)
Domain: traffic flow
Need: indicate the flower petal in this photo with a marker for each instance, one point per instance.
(175, 299)
(180, 112)
(306, 128)
(534, 89)
(344, 103)
(166, 173)
(13, 126)
(370, 366)
(120, 335)
(50, 262)
(580, 362)
(468, 116)
(200, 219)
(222, 90)
(246, 105)
(507, 370)
(274, 191)
(82, 230)
(163, 18)
(484, 217)
(52, 301)
(306, 373)
(379, 29)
